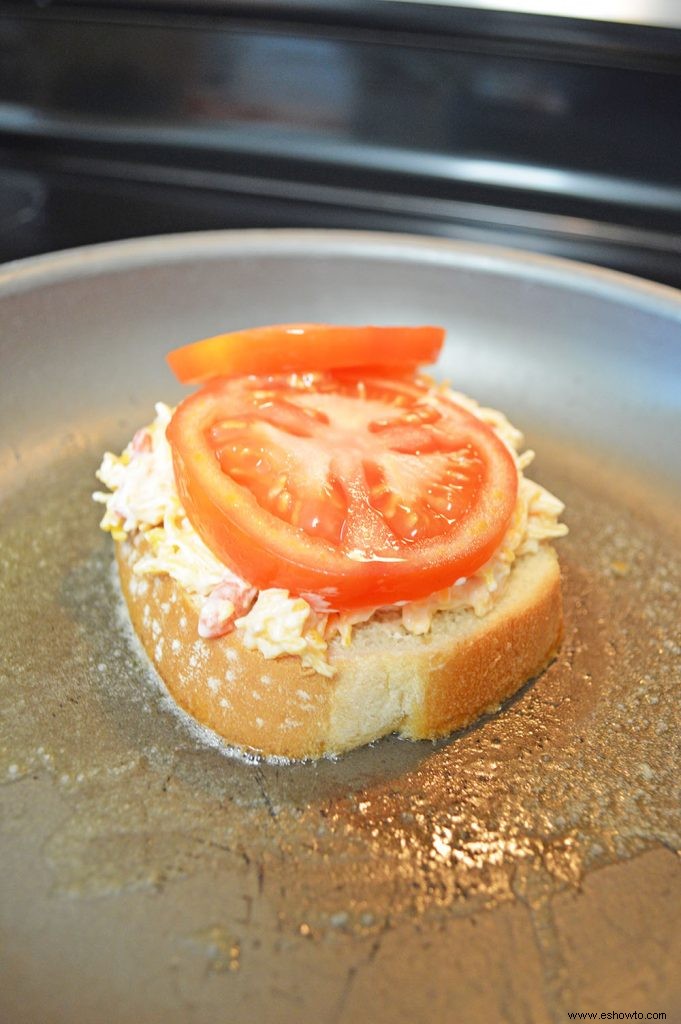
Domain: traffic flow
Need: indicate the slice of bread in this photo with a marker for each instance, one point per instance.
(386, 681)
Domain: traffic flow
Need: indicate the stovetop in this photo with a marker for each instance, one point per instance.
(552, 134)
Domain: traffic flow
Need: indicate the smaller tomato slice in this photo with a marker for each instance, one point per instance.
(290, 348)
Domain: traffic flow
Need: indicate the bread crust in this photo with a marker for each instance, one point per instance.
(421, 687)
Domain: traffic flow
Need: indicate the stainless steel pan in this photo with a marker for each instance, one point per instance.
(523, 869)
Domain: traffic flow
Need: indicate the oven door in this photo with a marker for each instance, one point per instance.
(553, 134)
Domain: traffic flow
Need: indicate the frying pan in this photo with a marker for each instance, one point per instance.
(523, 869)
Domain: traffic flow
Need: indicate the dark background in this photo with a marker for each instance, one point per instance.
(552, 134)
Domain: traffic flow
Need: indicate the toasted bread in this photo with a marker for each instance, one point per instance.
(386, 681)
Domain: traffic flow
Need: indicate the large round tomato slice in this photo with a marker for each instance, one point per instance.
(360, 490)
(304, 347)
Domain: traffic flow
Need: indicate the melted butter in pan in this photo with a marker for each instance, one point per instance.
(580, 770)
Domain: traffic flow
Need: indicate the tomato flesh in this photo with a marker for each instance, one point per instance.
(287, 348)
(363, 491)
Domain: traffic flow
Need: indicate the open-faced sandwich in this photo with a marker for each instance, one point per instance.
(321, 546)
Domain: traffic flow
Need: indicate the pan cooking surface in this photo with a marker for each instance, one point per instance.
(521, 869)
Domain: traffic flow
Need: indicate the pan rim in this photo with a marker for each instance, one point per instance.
(156, 250)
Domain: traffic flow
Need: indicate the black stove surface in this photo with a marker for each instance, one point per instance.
(124, 120)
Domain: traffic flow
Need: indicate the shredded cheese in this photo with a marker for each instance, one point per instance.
(143, 498)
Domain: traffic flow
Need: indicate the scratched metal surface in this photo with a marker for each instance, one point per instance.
(526, 867)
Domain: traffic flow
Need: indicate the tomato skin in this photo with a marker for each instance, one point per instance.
(284, 348)
(368, 564)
